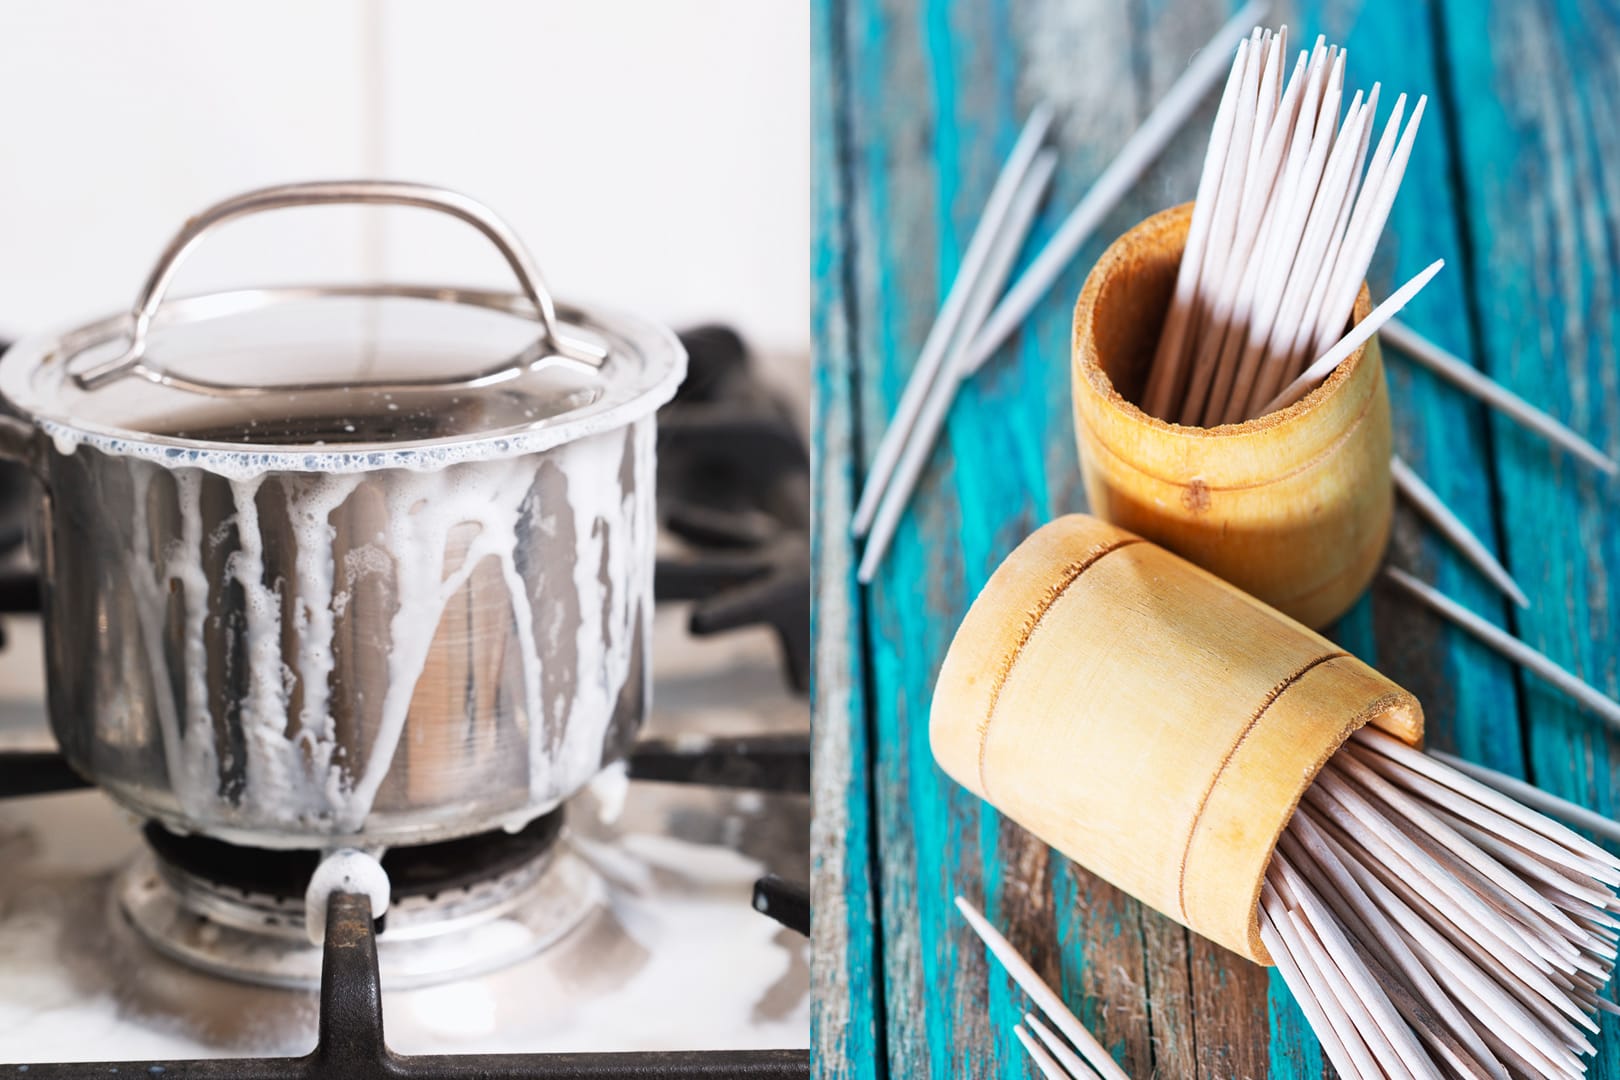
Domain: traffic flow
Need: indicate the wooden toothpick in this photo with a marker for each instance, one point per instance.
(1352, 341)
(1509, 646)
(1426, 502)
(1043, 1061)
(1530, 795)
(1059, 1049)
(1462, 375)
(1043, 996)
(1447, 925)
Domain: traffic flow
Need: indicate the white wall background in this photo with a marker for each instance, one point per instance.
(654, 154)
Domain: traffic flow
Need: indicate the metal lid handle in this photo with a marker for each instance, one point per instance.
(333, 192)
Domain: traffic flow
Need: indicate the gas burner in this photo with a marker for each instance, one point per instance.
(733, 491)
(459, 908)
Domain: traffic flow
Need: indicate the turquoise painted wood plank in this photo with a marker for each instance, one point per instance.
(1541, 82)
(845, 1020)
(942, 81)
(935, 92)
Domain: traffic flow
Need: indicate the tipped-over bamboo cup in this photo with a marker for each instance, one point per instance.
(1293, 506)
(1147, 719)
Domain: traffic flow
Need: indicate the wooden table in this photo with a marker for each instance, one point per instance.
(917, 103)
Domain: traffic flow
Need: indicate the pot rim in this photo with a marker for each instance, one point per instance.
(655, 371)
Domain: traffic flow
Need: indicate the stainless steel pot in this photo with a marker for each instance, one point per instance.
(359, 565)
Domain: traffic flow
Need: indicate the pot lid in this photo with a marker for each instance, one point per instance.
(342, 378)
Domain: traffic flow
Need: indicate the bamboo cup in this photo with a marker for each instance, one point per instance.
(1147, 719)
(1293, 507)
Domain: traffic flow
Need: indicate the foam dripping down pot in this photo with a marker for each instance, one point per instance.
(363, 565)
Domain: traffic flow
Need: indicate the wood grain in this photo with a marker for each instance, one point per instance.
(1148, 719)
(845, 1019)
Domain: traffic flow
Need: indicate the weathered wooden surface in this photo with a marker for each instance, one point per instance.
(917, 103)
(845, 989)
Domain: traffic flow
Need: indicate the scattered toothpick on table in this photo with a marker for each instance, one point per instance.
(1428, 503)
(960, 344)
(1098, 1058)
(1507, 645)
(1472, 381)
(1044, 1060)
(1066, 1059)
(1288, 213)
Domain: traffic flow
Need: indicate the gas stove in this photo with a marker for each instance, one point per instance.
(651, 926)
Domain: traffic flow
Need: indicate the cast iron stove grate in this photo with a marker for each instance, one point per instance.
(734, 488)
(350, 1040)
(351, 1043)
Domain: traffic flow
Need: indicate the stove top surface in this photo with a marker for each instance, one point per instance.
(672, 956)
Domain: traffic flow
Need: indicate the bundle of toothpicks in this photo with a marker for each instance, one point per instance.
(1289, 210)
(1432, 926)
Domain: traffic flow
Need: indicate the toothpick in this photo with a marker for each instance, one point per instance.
(1426, 502)
(1463, 947)
(1348, 1043)
(1349, 275)
(1270, 94)
(1217, 255)
(1420, 912)
(1530, 795)
(1325, 213)
(1235, 170)
(1315, 1015)
(1352, 341)
(1307, 155)
(1509, 646)
(1464, 376)
(1060, 1049)
(1232, 291)
(1050, 1004)
(1483, 994)
(1164, 379)
(1376, 1006)
(1451, 897)
(1486, 805)
(1410, 810)
(1330, 322)
(937, 401)
(948, 323)
(1344, 889)
(1284, 227)
(1232, 294)
(1043, 1061)
(1127, 167)
(1284, 258)
(1298, 344)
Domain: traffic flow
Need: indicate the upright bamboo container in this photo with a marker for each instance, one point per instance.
(1293, 507)
(1147, 719)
